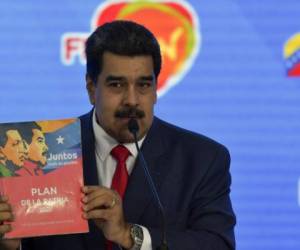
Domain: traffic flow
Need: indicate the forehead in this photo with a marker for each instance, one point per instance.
(37, 133)
(13, 135)
(120, 64)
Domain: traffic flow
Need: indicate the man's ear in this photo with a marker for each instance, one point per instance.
(90, 86)
(155, 94)
(2, 156)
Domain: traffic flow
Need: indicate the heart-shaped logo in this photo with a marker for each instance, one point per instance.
(174, 23)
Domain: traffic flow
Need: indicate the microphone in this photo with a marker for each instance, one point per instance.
(133, 128)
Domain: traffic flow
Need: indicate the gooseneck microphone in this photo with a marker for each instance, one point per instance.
(133, 128)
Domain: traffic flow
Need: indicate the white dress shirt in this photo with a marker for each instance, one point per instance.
(106, 164)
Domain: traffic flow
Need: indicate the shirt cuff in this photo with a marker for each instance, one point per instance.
(147, 242)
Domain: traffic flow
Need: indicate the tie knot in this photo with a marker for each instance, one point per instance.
(120, 153)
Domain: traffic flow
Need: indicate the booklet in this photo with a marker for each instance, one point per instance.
(41, 173)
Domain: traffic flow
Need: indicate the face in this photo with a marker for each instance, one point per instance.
(15, 149)
(125, 88)
(38, 149)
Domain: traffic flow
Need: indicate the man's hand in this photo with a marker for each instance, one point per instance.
(6, 215)
(104, 206)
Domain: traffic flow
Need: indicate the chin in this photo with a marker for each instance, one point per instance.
(126, 139)
(43, 161)
(124, 136)
(130, 138)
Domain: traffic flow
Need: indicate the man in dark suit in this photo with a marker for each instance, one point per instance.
(190, 171)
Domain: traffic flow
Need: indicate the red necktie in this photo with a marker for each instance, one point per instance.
(120, 179)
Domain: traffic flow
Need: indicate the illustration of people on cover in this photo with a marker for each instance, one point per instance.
(24, 147)
(13, 151)
(37, 149)
(41, 172)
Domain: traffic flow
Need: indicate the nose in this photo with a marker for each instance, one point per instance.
(25, 145)
(23, 149)
(131, 96)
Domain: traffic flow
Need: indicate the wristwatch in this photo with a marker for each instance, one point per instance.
(136, 233)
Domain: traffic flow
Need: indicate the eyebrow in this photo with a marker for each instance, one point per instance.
(120, 78)
(114, 78)
(147, 78)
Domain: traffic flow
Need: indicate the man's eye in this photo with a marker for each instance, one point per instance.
(115, 84)
(15, 143)
(145, 85)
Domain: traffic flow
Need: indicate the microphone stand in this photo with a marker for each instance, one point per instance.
(133, 128)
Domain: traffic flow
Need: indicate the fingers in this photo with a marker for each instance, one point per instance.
(99, 202)
(108, 196)
(90, 189)
(5, 210)
(103, 193)
(99, 197)
(104, 214)
(104, 207)
(3, 198)
(5, 207)
(91, 192)
(102, 202)
(5, 228)
(6, 215)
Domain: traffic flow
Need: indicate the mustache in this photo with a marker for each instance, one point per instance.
(130, 112)
(45, 153)
(23, 157)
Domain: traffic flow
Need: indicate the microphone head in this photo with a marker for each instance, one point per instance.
(133, 126)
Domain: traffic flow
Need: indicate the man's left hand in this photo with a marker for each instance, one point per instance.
(104, 207)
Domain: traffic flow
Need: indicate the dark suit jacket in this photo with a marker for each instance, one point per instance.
(191, 173)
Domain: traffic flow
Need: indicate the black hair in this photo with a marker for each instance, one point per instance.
(123, 38)
(3, 132)
(26, 130)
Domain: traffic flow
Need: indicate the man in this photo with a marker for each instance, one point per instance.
(13, 150)
(190, 171)
(37, 149)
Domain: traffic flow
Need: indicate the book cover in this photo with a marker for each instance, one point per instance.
(41, 173)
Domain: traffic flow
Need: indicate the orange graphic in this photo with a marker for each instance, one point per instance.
(174, 23)
(51, 126)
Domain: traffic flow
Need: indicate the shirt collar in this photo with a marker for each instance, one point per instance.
(104, 143)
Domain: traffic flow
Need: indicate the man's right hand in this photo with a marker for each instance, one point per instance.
(6, 215)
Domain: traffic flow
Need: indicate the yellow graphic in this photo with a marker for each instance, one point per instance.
(169, 48)
(292, 45)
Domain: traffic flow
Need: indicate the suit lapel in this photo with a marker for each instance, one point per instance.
(94, 238)
(88, 150)
(138, 193)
